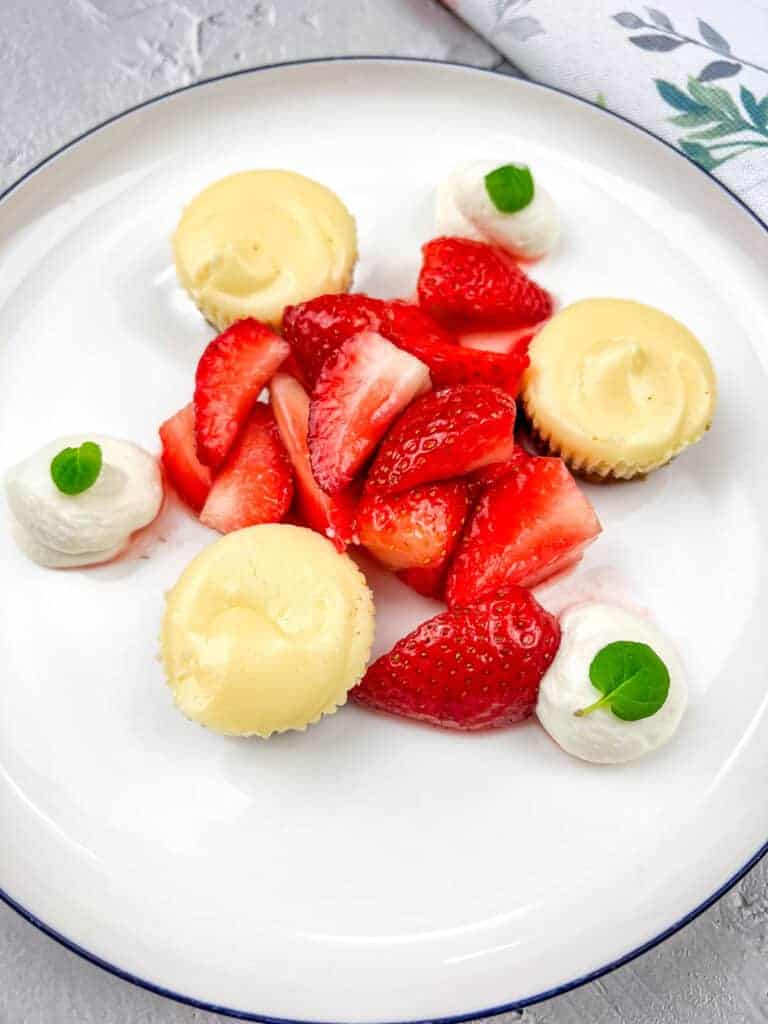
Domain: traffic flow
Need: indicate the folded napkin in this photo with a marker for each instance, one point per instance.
(694, 72)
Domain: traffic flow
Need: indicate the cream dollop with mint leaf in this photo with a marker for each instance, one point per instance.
(72, 506)
(499, 203)
(616, 689)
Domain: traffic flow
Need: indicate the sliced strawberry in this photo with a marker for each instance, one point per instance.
(525, 528)
(316, 329)
(231, 374)
(445, 434)
(255, 484)
(427, 580)
(333, 517)
(467, 668)
(470, 285)
(417, 528)
(190, 478)
(360, 391)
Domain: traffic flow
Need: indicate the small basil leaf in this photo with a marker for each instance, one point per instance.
(633, 679)
(74, 470)
(510, 187)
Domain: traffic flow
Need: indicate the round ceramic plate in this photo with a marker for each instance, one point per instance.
(371, 869)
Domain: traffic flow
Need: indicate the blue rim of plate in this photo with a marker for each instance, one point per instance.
(491, 1011)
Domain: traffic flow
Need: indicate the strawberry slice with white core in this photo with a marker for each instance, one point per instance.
(527, 527)
(255, 484)
(332, 516)
(190, 478)
(361, 389)
(232, 372)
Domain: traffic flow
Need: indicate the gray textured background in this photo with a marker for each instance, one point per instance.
(68, 64)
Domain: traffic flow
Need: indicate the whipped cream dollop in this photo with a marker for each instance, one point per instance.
(464, 208)
(61, 531)
(600, 736)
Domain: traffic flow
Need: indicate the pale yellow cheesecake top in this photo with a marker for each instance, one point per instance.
(267, 629)
(254, 242)
(618, 388)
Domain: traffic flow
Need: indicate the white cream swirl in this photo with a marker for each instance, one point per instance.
(61, 531)
(464, 208)
(600, 736)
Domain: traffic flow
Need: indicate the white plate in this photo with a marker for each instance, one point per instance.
(371, 869)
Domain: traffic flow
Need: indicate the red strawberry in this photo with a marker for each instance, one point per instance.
(316, 329)
(255, 484)
(450, 363)
(190, 477)
(524, 529)
(415, 529)
(427, 580)
(445, 434)
(468, 668)
(360, 391)
(231, 373)
(331, 516)
(472, 285)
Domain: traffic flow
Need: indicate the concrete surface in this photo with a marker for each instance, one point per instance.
(67, 64)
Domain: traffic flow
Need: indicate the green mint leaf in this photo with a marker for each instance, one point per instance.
(633, 679)
(74, 470)
(510, 187)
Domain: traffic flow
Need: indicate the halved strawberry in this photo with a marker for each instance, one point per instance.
(445, 434)
(467, 668)
(360, 391)
(417, 528)
(469, 285)
(255, 484)
(525, 528)
(331, 516)
(190, 478)
(231, 374)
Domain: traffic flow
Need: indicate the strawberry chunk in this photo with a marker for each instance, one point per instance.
(417, 528)
(467, 668)
(470, 285)
(332, 516)
(360, 391)
(255, 484)
(525, 528)
(231, 374)
(445, 434)
(190, 478)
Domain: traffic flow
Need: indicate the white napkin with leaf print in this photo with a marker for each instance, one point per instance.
(694, 72)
